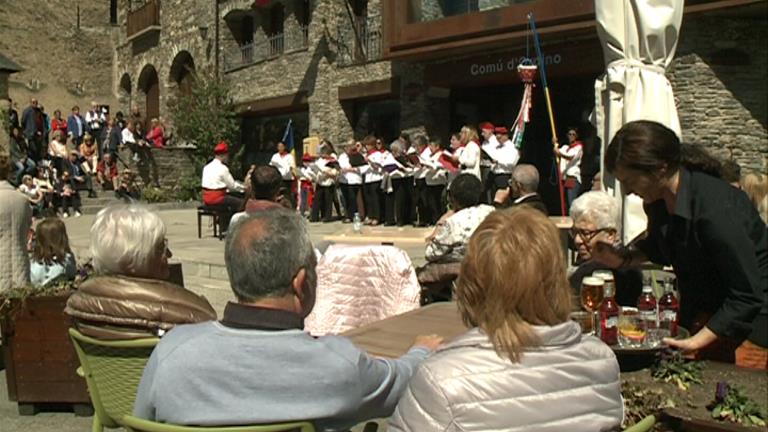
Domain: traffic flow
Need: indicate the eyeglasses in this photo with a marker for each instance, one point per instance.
(586, 235)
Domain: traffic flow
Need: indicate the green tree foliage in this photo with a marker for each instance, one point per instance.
(204, 117)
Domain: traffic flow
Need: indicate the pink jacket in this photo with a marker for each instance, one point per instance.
(358, 285)
(157, 137)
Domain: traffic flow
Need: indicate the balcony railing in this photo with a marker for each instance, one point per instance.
(145, 18)
(274, 46)
(359, 41)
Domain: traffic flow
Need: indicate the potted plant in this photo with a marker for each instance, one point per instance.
(40, 361)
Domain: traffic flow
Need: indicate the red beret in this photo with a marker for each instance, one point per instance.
(221, 148)
(486, 125)
(500, 130)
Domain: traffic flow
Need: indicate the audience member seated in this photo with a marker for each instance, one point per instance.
(52, 259)
(218, 183)
(257, 365)
(34, 195)
(81, 178)
(522, 190)
(66, 196)
(265, 191)
(128, 189)
(524, 365)
(42, 182)
(596, 218)
(130, 298)
(15, 220)
(20, 156)
(106, 174)
(448, 241)
(90, 153)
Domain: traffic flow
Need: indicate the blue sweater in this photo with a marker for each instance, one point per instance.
(209, 374)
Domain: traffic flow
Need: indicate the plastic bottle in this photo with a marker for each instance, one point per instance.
(646, 305)
(669, 309)
(609, 312)
(357, 225)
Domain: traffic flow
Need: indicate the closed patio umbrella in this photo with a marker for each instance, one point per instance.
(639, 38)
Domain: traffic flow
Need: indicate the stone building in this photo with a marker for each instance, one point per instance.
(345, 68)
(66, 49)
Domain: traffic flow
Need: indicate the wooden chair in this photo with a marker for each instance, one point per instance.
(135, 424)
(212, 213)
(112, 371)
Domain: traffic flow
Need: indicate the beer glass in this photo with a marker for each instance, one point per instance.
(592, 296)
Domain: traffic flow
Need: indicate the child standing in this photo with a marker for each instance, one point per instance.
(52, 259)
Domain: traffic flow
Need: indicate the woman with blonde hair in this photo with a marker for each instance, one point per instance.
(756, 187)
(524, 365)
(90, 154)
(467, 155)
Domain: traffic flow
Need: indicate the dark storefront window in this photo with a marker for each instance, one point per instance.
(260, 135)
(377, 117)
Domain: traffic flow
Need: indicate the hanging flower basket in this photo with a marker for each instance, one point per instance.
(527, 71)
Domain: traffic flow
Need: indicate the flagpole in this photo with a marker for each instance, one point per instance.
(542, 66)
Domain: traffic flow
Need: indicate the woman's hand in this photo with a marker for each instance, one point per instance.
(704, 337)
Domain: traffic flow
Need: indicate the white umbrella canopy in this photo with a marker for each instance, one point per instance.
(639, 38)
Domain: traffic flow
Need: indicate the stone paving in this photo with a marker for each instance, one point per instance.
(204, 272)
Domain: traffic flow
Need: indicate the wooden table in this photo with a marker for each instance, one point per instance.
(380, 234)
(393, 336)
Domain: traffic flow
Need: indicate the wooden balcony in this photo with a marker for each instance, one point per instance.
(144, 20)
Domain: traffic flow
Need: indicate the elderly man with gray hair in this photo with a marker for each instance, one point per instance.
(257, 365)
(596, 219)
(523, 187)
(130, 297)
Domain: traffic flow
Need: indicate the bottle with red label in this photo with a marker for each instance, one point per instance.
(609, 311)
(669, 309)
(646, 305)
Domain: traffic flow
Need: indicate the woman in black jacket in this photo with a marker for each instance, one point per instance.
(705, 228)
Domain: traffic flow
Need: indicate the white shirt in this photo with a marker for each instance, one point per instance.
(571, 168)
(421, 172)
(349, 177)
(216, 176)
(469, 158)
(95, 119)
(434, 173)
(400, 172)
(326, 176)
(286, 164)
(373, 172)
(451, 237)
(128, 137)
(505, 156)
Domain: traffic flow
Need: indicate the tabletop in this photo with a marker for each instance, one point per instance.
(392, 337)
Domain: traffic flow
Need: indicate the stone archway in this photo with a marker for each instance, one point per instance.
(182, 73)
(124, 92)
(149, 85)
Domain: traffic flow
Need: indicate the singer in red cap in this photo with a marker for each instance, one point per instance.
(217, 182)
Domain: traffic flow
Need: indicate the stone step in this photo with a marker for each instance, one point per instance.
(217, 292)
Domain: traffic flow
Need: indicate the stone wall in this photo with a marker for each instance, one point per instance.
(63, 64)
(719, 80)
(314, 71)
(187, 26)
(166, 167)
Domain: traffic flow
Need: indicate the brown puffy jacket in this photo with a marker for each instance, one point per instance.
(120, 307)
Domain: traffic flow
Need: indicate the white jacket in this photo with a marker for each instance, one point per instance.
(15, 220)
(569, 383)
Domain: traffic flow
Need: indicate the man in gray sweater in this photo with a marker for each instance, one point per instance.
(257, 365)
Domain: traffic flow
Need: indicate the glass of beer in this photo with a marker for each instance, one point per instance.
(592, 296)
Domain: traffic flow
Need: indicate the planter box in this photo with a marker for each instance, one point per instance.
(40, 361)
